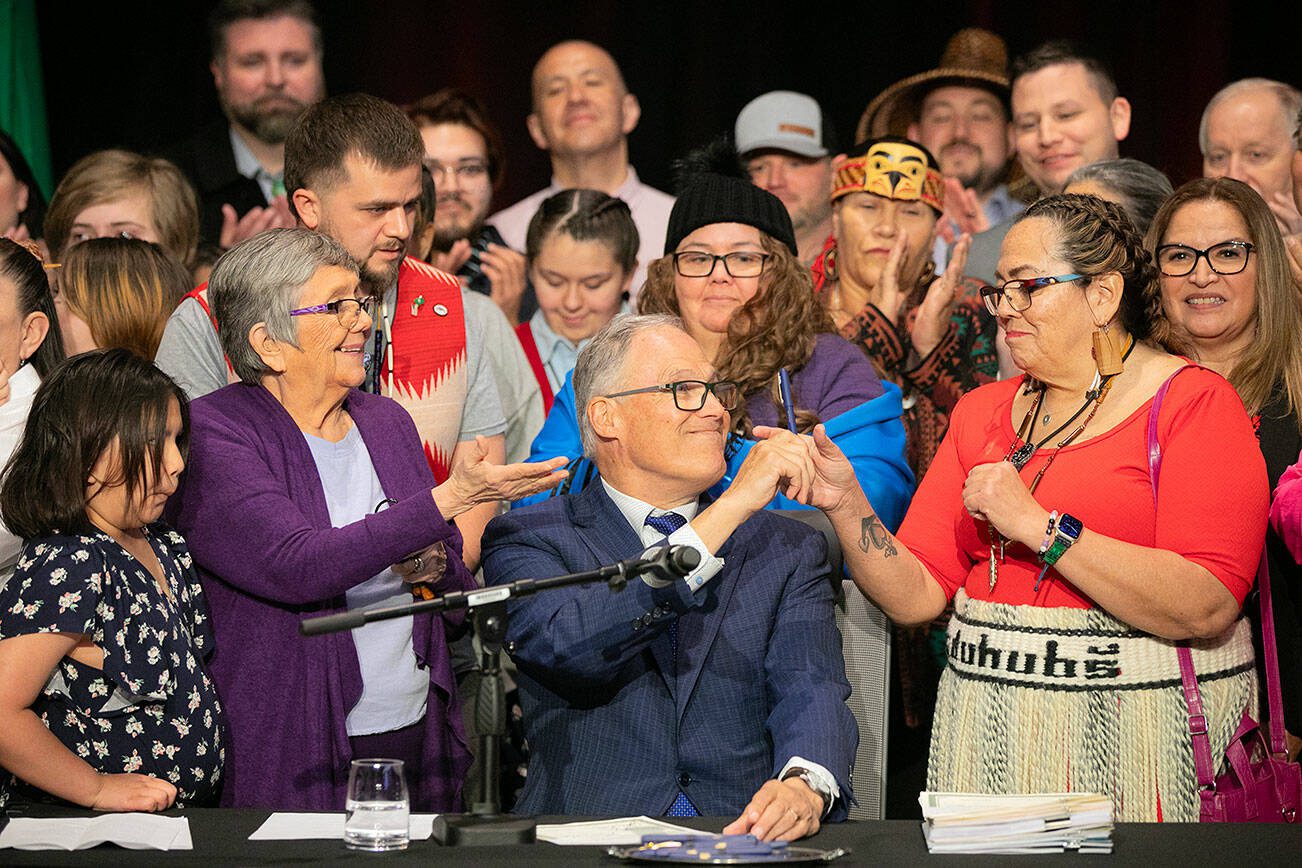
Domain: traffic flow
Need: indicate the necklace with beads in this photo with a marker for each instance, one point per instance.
(1024, 444)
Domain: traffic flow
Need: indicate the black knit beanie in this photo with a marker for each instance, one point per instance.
(709, 198)
(711, 189)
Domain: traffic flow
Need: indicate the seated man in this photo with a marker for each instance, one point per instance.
(676, 697)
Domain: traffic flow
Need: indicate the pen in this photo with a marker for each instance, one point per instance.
(784, 387)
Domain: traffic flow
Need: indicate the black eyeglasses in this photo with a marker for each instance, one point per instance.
(741, 263)
(467, 173)
(690, 395)
(347, 310)
(1228, 257)
(1018, 292)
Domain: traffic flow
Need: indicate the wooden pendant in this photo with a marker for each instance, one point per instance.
(1106, 356)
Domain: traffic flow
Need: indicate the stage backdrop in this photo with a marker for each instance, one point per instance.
(137, 74)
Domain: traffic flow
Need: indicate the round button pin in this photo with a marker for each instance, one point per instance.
(440, 309)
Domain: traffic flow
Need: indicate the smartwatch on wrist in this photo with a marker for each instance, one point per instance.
(1065, 535)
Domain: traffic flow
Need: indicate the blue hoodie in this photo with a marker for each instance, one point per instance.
(871, 436)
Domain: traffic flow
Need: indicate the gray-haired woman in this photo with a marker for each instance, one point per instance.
(307, 495)
(1136, 186)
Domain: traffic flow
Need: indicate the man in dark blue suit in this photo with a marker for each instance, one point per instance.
(722, 693)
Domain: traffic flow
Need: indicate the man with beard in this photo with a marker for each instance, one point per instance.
(266, 65)
(353, 172)
(959, 112)
(464, 155)
(786, 144)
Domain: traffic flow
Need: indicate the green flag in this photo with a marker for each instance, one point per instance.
(22, 94)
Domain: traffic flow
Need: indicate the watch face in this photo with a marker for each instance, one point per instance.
(1070, 526)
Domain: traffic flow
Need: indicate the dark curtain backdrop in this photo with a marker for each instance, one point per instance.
(135, 74)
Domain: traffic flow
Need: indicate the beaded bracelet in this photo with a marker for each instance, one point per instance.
(1048, 535)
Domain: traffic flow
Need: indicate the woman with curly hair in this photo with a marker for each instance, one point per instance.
(731, 272)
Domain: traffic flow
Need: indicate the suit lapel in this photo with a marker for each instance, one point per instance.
(609, 537)
(698, 628)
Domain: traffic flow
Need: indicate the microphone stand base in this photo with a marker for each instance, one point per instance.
(474, 830)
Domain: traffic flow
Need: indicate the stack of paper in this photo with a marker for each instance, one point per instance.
(625, 831)
(309, 826)
(134, 831)
(1049, 823)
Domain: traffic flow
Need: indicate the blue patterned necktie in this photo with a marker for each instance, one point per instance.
(667, 524)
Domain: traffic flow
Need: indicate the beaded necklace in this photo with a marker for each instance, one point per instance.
(1023, 446)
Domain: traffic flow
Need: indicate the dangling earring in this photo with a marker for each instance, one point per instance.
(830, 272)
(1106, 356)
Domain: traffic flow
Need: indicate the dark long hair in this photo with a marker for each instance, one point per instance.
(33, 216)
(84, 407)
(27, 271)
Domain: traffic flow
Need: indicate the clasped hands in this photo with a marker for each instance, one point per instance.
(808, 469)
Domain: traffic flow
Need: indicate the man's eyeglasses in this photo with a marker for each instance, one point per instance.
(466, 173)
(741, 263)
(1228, 257)
(348, 310)
(1018, 292)
(690, 395)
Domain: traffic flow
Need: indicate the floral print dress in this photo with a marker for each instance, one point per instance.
(152, 709)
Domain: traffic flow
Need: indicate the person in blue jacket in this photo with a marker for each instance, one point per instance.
(731, 273)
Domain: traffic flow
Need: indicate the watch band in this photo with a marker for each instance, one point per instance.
(808, 777)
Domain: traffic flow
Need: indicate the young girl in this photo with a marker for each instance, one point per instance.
(104, 699)
(582, 252)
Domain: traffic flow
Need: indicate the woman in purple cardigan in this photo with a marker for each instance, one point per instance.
(305, 496)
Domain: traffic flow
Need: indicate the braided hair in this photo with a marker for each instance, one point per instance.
(586, 215)
(1095, 237)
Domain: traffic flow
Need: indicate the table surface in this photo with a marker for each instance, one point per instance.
(221, 838)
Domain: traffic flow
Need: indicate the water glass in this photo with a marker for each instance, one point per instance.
(378, 809)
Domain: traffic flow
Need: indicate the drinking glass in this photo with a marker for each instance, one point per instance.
(378, 810)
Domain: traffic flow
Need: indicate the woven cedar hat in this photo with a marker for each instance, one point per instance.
(973, 57)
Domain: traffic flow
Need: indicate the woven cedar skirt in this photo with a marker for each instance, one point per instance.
(1052, 700)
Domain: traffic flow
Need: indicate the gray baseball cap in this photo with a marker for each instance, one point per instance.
(783, 120)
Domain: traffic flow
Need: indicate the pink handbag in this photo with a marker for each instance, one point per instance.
(1260, 785)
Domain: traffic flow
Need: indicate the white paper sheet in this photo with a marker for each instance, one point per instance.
(134, 831)
(623, 831)
(286, 826)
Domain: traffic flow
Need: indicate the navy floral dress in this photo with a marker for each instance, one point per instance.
(152, 709)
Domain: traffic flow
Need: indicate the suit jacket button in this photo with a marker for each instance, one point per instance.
(684, 779)
(637, 624)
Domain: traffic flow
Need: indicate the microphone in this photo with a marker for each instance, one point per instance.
(667, 563)
(333, 623)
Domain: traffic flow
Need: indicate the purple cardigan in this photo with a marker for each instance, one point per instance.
(252, 508)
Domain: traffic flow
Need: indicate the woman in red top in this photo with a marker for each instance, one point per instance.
(1071, 576)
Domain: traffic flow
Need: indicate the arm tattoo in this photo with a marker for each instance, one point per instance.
(874, 533)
